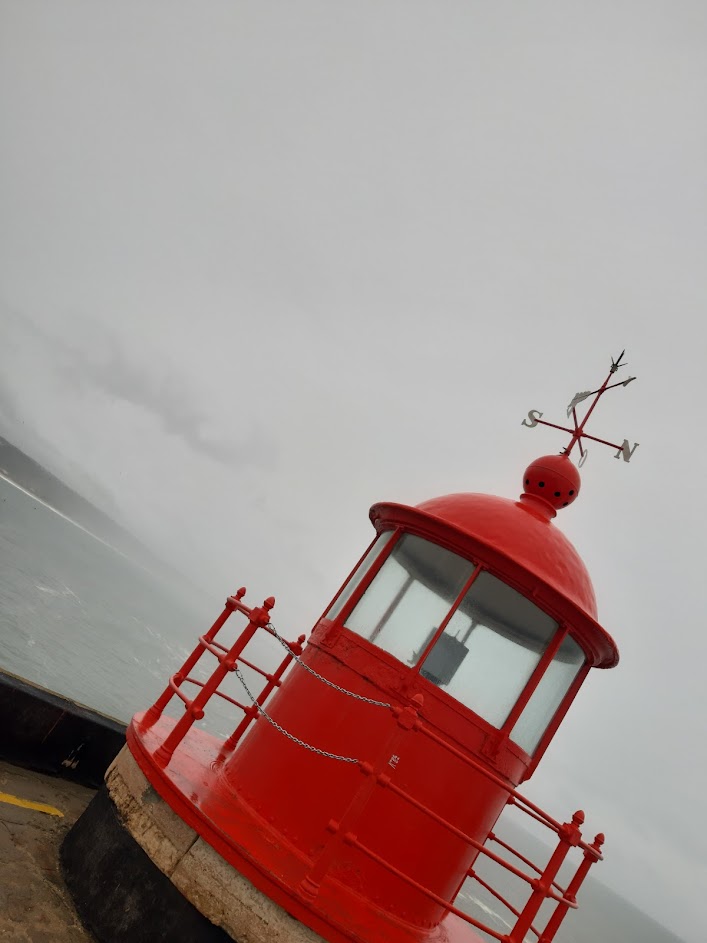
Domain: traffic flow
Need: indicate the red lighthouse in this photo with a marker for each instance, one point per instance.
(366, 777)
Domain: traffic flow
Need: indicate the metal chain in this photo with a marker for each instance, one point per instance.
(286, 733)
(358, 697)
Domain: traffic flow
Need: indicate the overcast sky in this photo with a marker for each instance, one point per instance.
(265, 263)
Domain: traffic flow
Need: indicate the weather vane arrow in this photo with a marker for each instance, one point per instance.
(625, 450)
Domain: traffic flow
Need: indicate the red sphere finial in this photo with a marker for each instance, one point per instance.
(553, 480)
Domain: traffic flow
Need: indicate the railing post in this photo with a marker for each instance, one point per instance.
(591, 855)
(195, 711)
(570, 836)
(407, 719)
(155, 712)
(252, 712)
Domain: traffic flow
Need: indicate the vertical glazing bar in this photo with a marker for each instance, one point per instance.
(535, 679)
(348, 578)
(475, 573)
(367, 579)
(551, 728)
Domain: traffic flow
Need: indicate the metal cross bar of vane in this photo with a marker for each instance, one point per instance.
(577, 433)
(581, 435)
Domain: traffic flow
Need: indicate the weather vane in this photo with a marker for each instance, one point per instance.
(577, 433)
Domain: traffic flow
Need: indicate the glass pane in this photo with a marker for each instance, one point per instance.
(410, 597)
(546, 698)
(358, 574)
(490, 648)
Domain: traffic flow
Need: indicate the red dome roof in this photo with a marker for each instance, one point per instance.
(521, 545)
(524, 537)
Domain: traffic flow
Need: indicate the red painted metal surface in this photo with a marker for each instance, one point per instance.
(552, 480)
(374, 849)
(355, 791)
(342, 725)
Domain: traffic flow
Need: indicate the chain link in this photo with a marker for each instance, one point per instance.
(286, 733)
(263, 713)
(358, 697)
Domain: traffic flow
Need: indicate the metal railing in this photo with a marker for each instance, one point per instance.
(542, 881)
(228, 661)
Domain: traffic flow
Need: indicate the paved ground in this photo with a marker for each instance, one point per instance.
(34, 904)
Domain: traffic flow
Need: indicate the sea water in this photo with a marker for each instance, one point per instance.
(83, 620)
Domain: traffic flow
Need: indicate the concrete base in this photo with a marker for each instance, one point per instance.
(138, 873)
(120, 896)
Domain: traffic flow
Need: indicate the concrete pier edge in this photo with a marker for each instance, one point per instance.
(138, 873)
(44, 731)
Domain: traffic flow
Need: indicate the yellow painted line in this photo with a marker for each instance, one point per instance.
(26, 804)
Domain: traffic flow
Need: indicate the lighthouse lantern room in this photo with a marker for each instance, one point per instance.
(364, 780)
